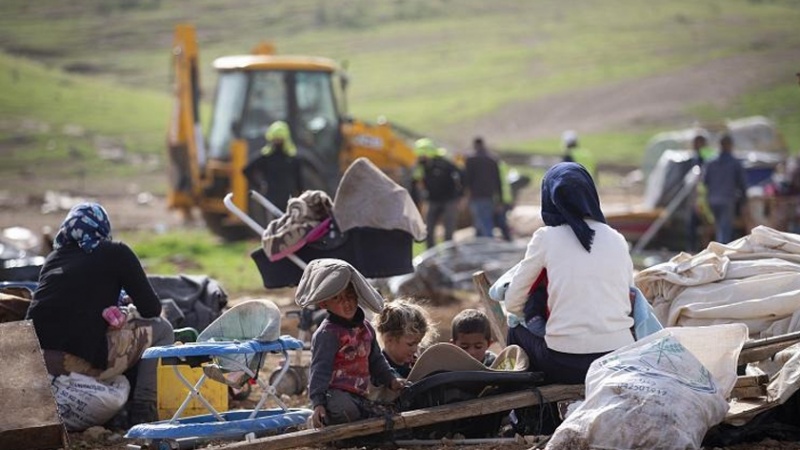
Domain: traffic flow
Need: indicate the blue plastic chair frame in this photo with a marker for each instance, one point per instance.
(226, 424)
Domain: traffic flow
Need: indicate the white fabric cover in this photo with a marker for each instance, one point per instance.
(753, 280)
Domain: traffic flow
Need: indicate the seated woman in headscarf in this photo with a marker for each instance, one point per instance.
(76, 309)
(589, 273)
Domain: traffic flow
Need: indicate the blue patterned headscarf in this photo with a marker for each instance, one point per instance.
(87, 225)
(568, 197)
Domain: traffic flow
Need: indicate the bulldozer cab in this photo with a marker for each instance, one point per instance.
(255, 91)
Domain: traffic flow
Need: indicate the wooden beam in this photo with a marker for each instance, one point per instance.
(412, 419)
(761, 349)
(751, 380)
(750, 386)
(497, 319)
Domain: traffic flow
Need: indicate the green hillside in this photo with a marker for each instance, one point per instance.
(101, 67)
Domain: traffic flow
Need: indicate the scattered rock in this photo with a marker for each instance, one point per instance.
(96, 433)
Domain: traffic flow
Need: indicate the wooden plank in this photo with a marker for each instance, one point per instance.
(28, 418)
(751, 380)
(761, 349)
(412, 419)
(750, 386)
(749, 392)
(494, 310)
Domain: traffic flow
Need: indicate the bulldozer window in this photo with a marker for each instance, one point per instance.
(227, 109)
(315, 101)
(266, 103)
(317, 124)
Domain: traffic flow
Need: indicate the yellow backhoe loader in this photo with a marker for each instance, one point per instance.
(253, 91)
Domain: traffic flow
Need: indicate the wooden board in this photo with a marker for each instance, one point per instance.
(28, 417)
(412, 419)
(494, 310)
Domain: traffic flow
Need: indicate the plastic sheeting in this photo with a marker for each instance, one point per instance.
(449, 266)
(223, 348)
(236, 424)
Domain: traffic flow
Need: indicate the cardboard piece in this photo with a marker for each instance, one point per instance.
(29, 417)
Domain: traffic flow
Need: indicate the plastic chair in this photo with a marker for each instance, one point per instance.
(231, 350)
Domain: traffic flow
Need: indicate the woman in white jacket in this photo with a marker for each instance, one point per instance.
(589, 273)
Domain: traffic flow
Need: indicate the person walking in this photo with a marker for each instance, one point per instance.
(726, 185)
(483, 185)
(441, 185)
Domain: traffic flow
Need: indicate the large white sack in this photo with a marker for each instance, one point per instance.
(656, 393)
(84, 401)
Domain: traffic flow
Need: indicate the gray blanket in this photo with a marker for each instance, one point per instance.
(366, 197)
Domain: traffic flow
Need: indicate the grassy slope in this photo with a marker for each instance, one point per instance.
(422, 63)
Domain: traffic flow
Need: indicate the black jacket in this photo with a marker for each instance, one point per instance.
(74, 288)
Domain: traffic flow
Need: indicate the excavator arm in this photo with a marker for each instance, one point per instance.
(185, 139)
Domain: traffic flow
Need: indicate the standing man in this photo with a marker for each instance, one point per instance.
(442, 186)
(575, 153)
(726, 184)
(506, 202)
(276, 172)
(482, 182)
(698, 205)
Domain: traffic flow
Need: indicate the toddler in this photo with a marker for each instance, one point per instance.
(345, 354)
(403, 327)
(472, 332)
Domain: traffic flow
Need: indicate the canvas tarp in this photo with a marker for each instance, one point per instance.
(753, 280)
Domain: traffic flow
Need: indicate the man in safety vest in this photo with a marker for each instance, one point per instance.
(574, 153)
(506, 201)
(276, 172)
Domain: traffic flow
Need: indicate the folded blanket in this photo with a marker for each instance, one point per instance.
(304, 221)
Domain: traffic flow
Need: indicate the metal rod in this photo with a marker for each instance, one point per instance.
(228, 202)
(445, 442)
(690, 181)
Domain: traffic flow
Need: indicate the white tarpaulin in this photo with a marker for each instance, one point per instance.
(753, 280)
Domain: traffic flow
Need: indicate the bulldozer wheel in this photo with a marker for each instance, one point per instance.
(234, 232)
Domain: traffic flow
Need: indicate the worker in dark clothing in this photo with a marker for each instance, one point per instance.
(506, 202)
(726, 184)
(440, 180)
(573, 152)
(482, 182)
(697, 199)
(275, 174)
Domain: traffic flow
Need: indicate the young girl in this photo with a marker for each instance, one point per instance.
(403, 328)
